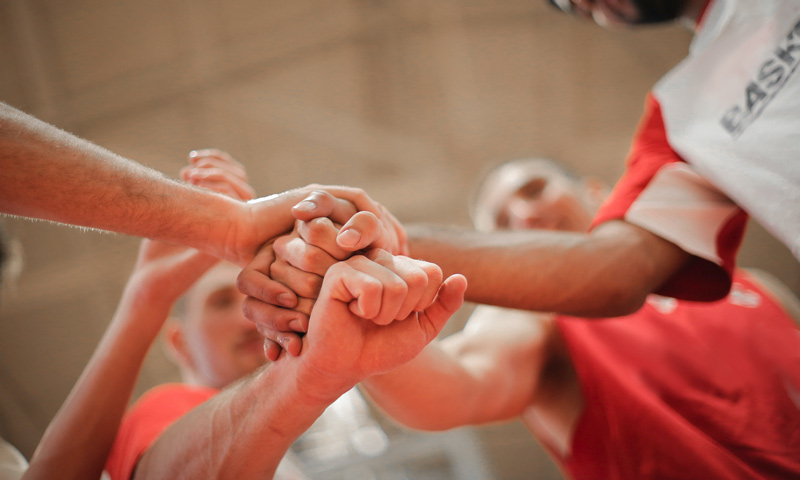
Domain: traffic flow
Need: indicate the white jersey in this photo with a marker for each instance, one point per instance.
(731, 109)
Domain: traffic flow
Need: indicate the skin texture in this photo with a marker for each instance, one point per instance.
(68, 180)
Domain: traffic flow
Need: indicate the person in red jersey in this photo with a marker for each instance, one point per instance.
(678, 389)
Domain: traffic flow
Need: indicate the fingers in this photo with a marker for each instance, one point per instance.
(449, 299)
(216, 170)
(281, 326)
(322, 233)
(293, 250)
(303, 284)
(370, 291)
(422, 280)
(254, 281)
(275, 309)
(379, 229)
(385, 288)
(218, 158)
(320, 203)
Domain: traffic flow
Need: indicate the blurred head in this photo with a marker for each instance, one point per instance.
(535, 193)
(209, 337)
(10, 259)
(627, 12)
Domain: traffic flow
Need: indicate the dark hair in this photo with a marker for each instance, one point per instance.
(5, 249)
(10, 258)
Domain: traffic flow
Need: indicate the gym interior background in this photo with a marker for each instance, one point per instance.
(409, 99)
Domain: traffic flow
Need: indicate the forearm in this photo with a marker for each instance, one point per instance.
(487, 372)
(607, 273)
(244, 431)
(432, 392)
(79, 439)
(50, 174)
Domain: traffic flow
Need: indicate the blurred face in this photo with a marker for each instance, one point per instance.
(547, 201)
(625, 12)
(220, 343)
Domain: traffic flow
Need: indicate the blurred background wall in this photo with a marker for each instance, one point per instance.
(408, 99)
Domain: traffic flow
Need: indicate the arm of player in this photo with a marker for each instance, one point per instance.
(608, 272)
(50, 174)
(489, 371)
(245, 431)
(78, 440)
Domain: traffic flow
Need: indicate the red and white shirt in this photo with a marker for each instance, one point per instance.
(720, 137)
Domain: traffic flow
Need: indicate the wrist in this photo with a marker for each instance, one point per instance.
(313, 387)
(263, 219)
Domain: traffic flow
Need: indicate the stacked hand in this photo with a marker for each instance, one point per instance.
(375, 312)
(377, 336)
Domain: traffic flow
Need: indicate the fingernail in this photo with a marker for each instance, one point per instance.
(349, 237)
(296, 325)
(286, 300)
(306, 206)
(193, 154)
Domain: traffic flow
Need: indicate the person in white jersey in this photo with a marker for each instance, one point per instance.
(718, 138)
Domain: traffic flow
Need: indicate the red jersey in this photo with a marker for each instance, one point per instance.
(156, 410)
(683, 390)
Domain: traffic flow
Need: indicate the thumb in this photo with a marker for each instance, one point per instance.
(448, 300)
(320, 203)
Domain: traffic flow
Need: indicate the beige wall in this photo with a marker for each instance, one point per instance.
(408, 99)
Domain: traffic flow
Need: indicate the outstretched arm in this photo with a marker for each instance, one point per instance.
(490, 371)
(608, 272)
(50, 174)
(244, 431)
(79, 438)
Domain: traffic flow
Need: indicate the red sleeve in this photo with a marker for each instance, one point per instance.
(143, 423)
(663, 194)
(650, 151)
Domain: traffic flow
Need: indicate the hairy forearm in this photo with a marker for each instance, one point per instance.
(606, 273)
(50, 174)
(244, 431)
(79, 439)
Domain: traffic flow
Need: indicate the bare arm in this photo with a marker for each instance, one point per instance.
(50, 174)
(53, 175)
(79, 439)
(606, 273)
(241, 433)
(490, 371)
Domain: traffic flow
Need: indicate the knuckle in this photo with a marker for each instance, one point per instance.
(417, 279)
(373, 288)
(318, 229)
(311, 259)
(311, 286)
(398, 287)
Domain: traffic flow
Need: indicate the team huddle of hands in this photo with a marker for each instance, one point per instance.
(337, 286)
